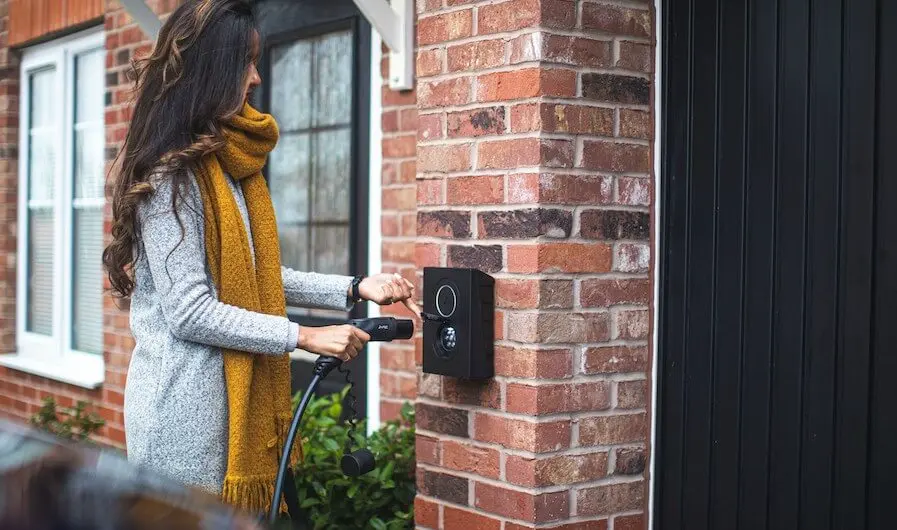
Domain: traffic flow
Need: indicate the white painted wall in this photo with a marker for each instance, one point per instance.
(374, 241)
(658, 72)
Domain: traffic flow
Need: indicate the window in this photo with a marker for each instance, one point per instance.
(310, 172)
(61, 200)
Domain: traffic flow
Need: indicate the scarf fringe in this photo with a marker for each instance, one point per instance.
(251, 494)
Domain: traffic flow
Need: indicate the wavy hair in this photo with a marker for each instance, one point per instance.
(191, 82)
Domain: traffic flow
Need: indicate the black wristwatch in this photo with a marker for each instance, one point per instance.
(356, 296)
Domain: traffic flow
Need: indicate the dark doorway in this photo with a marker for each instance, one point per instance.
(778, 317)
(315, 69)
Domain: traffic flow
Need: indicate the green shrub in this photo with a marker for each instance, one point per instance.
(75, 424)
(382, 499)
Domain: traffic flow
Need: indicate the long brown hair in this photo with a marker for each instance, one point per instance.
(184, 90)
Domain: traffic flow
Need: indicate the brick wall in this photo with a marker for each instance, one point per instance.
(535, 164)
(398, 380)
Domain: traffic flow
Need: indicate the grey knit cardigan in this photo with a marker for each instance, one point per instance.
(175, 408)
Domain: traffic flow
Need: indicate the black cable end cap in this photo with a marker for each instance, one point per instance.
(358, 463)
(404, 328)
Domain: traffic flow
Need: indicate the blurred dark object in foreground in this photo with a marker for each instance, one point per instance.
(50, 484)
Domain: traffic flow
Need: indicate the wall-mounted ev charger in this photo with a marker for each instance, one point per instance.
(459, 322)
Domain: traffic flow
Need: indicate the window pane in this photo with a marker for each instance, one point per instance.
(291, 85)
(333, 79)
(288, 172)
(87, 204)
(332, 166)
(40, 213)
(330, 245)
(87, 278)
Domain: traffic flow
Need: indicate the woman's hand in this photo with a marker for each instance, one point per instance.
(344, 342)
(385, 289)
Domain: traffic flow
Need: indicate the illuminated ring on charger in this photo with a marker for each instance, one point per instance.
(446, 314)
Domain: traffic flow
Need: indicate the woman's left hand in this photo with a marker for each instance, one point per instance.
(385, 289)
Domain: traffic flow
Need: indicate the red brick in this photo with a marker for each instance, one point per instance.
(597, 524)
(555, 470)
(636, 124)
(526, 83)
(429, 62)
(429, 127)
(629, 522)
(523, 188)
(484, 189)
(557, 398)
(426, 449)
(559, 257)
(444, 93)
(533, 363)
(397, 386)
(525, 223)
(443, 158)
(455, 518)
(404, 198)
(632, 324)
(607, 156)
(611, 498)
(426, 513)
(389, 121)
(636, 56)
(598, 121)
(443, 486)
(508, 16)
(558, 328)
(431, 191)
(389, 225)
(611, 430)
(443, 28)
(399, 147)
(616, 20)
(487, 258)
(606, 293)
(522, 152)
(398, 359)
(634, 191)
(464, 457)
(615, 359)
(398, 251)
(445, 420)
(473, 123)
(632, 394)
(630, 461)
(575, 189)
(558, 49)
(632, 257)
(519, 434)
(480, 393)
(427, 255)
(515, 504)
(526, 117)
(477, 55)
(408, 171)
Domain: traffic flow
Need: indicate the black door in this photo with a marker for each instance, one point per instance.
(315, 70)
(778, 318)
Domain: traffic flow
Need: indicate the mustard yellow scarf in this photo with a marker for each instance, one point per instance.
(258, 386)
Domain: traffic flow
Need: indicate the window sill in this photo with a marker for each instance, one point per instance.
(85, 375)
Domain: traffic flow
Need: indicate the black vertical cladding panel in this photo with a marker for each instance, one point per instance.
(733, 42)
(778, 251)
(788, 347)
(700, 279)
(858, 233)
(677, 29)
(761, 150)
(823, 240)
(882, 480)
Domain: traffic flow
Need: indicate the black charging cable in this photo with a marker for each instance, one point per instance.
(353, 463)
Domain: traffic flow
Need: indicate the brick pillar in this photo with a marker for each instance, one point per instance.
(9, 185)
(535, 164)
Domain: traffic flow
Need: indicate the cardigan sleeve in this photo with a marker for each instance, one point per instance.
(318, 291)
(175, 252)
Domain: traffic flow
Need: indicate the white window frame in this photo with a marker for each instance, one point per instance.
(53, 356)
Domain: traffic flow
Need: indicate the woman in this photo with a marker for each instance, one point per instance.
(195, 247)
